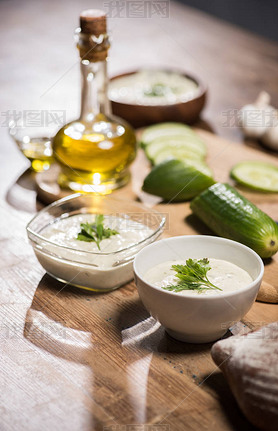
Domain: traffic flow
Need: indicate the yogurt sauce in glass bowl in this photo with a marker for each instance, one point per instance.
(53, 234)
(65, 232)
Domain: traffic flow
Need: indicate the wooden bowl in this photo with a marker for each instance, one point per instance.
(142, 115)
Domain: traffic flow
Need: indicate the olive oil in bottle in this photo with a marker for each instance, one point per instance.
(95, 151)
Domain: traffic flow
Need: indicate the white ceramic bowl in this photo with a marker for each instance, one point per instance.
(200, 318)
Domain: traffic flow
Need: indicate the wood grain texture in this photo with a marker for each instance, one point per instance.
(75, 361)
(129, 370)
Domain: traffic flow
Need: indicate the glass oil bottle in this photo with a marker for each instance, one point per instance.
(95, 151)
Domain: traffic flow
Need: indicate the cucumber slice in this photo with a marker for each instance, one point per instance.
(176, 180)
(165, 129)
(231, 215)
(176, 153)
(175, 144)
(256, 175)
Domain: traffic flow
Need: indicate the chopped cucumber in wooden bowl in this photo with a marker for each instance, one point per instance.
(256, 175)
(176, 180)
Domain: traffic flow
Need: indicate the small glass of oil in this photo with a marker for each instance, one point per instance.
(34, 143)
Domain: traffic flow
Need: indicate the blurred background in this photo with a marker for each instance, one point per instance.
(258, 16)
(230, 45)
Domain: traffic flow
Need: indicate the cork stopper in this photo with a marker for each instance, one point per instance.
(93, 43)
(93, 21)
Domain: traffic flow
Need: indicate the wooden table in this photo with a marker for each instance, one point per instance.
(75, 361)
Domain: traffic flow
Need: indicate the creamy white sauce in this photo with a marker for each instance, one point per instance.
(95, 270)
(64, 232)
(225, 275)
(150, 87)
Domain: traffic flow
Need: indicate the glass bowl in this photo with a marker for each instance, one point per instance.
(34, 143)
(92, 270)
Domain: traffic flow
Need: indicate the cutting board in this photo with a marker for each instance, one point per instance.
(222, 155)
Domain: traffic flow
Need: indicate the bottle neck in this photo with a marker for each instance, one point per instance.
(94, 98)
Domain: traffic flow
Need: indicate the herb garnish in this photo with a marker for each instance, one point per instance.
(95, 232)
(192, 276)
(157, 90)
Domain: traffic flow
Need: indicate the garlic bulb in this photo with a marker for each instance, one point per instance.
(270, 137)
(256, 118)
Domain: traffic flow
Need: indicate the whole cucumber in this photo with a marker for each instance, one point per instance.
(231, 215)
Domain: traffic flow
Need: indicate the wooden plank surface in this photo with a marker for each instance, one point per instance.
(100, 360)
(75, 361)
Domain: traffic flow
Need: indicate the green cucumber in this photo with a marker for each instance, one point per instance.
(179, 154)
(176, 180)
(260, 176)
(165, 129)
(231, 215)
(176, 144)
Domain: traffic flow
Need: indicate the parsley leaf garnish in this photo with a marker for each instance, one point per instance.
(95, 232)
(192, 276)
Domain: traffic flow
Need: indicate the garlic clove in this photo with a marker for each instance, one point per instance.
(270, 137)
(256, 118)
(262, 100)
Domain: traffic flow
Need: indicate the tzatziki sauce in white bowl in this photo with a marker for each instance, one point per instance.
(198, 315)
